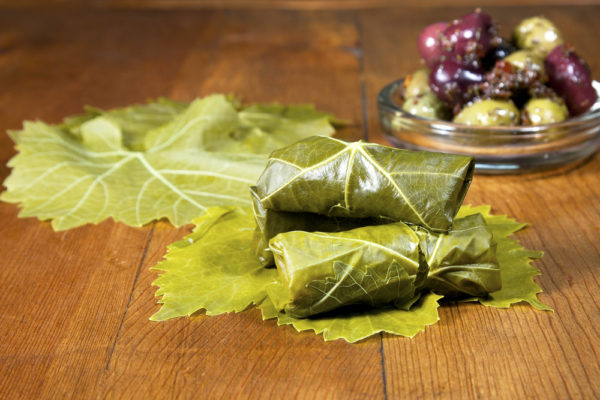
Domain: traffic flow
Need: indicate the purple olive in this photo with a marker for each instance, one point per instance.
(570, 77)
(498, 52)
(470, 35)
(429, 44)
(451, 80)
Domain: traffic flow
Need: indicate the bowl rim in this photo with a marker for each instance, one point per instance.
(447, 128)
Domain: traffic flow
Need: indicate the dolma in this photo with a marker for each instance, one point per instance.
(334, 178)
(462, 262)
(270, 223)
(372, 265)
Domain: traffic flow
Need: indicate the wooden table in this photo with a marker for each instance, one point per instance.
(75, 304)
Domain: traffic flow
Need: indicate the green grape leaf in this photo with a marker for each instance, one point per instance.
(265, 128)
(396, 285)
(355, 324)
(514, 260)
(141, 163)
(135, 121)
(420, 188)
(214, 268)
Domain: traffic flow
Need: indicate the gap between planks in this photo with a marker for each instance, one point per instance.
(361, 76)
(137, 274)
(365, 117)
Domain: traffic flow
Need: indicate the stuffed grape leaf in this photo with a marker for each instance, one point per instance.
(514, 260)
(141, 163)
(270, 223)
(334, 178)
(462, 261)
(373, 265)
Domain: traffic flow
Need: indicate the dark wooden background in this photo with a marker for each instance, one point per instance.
(283, 4)
(75, 304)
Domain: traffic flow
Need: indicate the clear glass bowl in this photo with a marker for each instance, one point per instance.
(497, 150)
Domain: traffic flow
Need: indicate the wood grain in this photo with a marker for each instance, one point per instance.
(76, 304)
(278, 4)
(517, 353)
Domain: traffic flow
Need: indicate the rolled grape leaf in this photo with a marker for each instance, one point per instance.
(462, 262)
(320, 272)
(515, 262)
(334, 178)
(270, 223)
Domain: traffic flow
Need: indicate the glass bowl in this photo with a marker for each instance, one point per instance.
(498, 149)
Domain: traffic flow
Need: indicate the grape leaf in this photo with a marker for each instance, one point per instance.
(214, 268)
(356, 324)
(141, 163)
(335, 178)
(134, 120)
(265, 128)
(514, 260)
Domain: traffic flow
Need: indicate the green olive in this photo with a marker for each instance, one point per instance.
(417, 83)
(527, 59)
(544, 111)
(537, 33)
(489, 113)
(427, 105)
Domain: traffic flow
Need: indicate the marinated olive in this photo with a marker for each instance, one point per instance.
(486, 80)
(429, 43)
(537, 33)
(470, 35)
(544, 111)
(452, 79)
(417, 83)
(570, 76)
(528, 60)
(426, 105)
(502, 49)
(489, 112)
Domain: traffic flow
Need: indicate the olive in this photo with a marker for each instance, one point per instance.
(537, 33)
(489, 113)
(528, 60)
(502, 49)
(472, 34)
(452, 80)
(429, 43)
(426, 105)
(417, 83)
(570, 76)
(544, 111)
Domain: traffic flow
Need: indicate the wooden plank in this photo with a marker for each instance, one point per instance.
(75, 328)
(479, 352)
(279, 56)
(266, 56)
(281, 4)
(228, 356)
(66, 293)
(63, 301)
